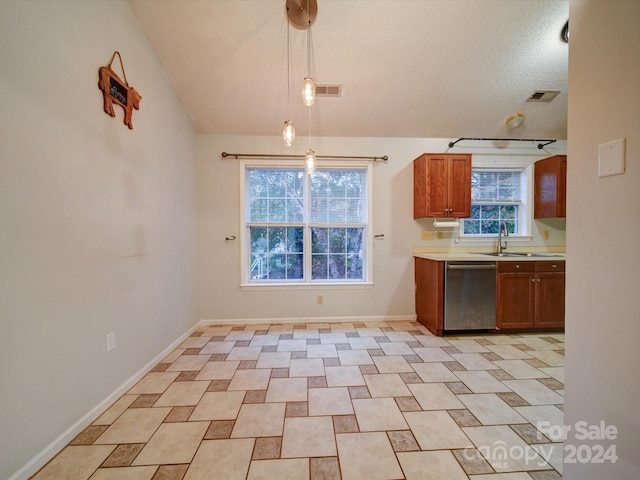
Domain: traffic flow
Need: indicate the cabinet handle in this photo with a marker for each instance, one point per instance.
(538, 280)
(518, 266)
(533, 280)
(554, 266)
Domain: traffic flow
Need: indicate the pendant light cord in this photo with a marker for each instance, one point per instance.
(288, 75)
(308, 41)
(309, 61)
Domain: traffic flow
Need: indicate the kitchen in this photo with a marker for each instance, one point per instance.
(460, 289)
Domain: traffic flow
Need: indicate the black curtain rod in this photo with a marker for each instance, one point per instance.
(301, 157)
(540, 145)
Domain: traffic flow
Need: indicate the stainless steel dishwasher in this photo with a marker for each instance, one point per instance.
(470, 295)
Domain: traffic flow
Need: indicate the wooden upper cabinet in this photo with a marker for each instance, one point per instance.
(550, 187)
(442, 185)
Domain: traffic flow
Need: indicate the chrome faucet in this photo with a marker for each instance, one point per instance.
(502, 226)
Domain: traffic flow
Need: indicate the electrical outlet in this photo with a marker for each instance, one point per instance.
(320, 299)
(427, 234)
(545, 234)
(111, 341)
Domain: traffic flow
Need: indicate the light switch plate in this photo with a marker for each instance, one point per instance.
(611, 158)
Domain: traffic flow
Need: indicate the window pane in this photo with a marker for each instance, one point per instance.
(338, 196)
(354, 267)
(277, 203)
(276, 253)
(276, 195)
(320, 240)
(319, 266)
(337, 253)
(337, 240)
(486, 218)
(259, 210)
(472, 227)
(495, 198)
(337, 269)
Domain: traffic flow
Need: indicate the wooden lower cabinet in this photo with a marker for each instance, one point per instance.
(430, 294)
(530, 295)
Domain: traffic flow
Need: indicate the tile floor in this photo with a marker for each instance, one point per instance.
(332, 401)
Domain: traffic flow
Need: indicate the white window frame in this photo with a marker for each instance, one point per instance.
(525, 207)
(307, 282)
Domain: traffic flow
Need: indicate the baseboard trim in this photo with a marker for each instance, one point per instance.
(259, 321)
(51, 450)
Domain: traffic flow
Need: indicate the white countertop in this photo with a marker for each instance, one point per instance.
(449, 257)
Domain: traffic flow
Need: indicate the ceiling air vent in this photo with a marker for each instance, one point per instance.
(328, 90)
(544, 96)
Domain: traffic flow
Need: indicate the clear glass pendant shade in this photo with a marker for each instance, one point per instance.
(308, 91)
(288, 133)
(310, 161)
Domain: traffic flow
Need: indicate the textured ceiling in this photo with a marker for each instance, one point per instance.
(409, 68)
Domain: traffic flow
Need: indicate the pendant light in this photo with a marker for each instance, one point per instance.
(288, 131)
(310, 161)
(310, 156)
(308, 86)
(309, 97)
(302, 14)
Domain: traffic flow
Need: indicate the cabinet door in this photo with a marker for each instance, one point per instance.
(429, 186)
(549, 310)
(516, 296)
(550, 187)
(430, 294)
(459, 199)
(442, 185)
(561, 208)
(437, 185)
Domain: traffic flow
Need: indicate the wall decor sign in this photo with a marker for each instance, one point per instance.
(116, 91)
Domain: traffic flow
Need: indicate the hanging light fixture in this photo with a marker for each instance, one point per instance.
(308, 91)
(289, 133)
(310, 156)
(308, 86)
(310, 161)
(302, 13)
(289, 130)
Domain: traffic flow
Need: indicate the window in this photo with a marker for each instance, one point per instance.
(302, 228)
(497, 196)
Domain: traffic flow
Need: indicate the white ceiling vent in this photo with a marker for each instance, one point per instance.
(328, 90)
(544, 96)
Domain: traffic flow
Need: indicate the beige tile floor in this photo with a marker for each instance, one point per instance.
(370, 400)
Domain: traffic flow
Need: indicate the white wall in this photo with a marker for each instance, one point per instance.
(393, 293)
(98, 227)
(603, 227)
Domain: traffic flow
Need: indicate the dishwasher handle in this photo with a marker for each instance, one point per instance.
(490, 266)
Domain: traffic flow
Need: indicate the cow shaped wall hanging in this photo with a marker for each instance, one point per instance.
(116, 91)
